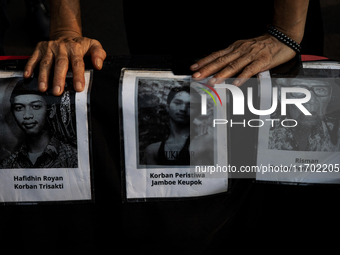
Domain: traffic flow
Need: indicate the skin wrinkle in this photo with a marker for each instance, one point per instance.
(289, 16)
(66, 43)
(64, 34)
(46, 62)
(233, 65)
(78, 63)
(255, 47)
(61, 26)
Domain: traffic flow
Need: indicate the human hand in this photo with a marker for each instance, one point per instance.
(62, 52)
(245, 57)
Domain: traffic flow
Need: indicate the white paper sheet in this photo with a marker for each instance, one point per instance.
(318, 164)
(51, 181)
(144, 117)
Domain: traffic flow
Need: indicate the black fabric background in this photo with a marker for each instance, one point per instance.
(254, 216)
(280, 216)
(189, 28)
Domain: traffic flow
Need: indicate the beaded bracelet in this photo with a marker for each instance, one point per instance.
(283, 38)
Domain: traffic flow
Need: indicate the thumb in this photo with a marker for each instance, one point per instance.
(97, 54)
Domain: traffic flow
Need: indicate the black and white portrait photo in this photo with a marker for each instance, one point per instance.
(37, 129)
(168, 138)
(45, 153)
(319, 131)
(171, 130)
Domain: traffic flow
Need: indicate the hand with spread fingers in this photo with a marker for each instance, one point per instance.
(67, 47)
(246, 58)
(59, 54)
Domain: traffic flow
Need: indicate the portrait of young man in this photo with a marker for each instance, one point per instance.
(180, 142)
(319, 131)
(44, 120)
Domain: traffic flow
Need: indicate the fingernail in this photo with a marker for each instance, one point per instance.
(42, 86)
(99, 63)
(212, 81)
(56, 90)
(194, 66)
(26, 74)
(196, 75)
(79, 86)
(236, 82)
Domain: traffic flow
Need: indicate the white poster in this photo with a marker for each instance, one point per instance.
(44, 147)
(171, 149)
(300, 141)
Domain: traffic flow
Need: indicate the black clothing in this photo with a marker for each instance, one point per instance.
(252, 216)
(192, 28)
(182, 157)
(37, 21)
(229, 222)
(4, 24)
(56, 155)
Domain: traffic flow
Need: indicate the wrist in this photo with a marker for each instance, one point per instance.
(291, 43)
(65, 19)
(63, 34)
(293, 31)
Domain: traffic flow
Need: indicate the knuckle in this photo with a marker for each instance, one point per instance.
(78, 63)
(243, 43)
(62, 62)
(216, 54)
(240, 41)
(220, 60)
(50, 44)
(232, 47)
(45, 63)
(235, 45)
(250, 69)
(233, 65)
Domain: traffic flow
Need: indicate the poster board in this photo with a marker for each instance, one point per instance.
(296, 148)
(45, 142)
(158, 163)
